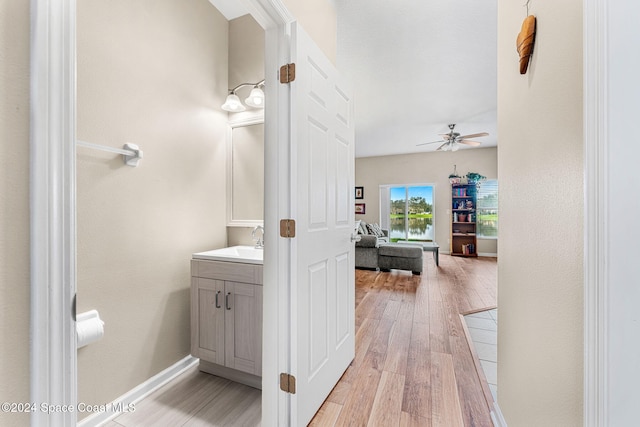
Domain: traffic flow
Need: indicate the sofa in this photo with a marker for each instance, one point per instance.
(367, 247)
(374, 251)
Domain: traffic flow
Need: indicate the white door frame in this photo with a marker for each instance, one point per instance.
(595, 248)
(53, 209)
(53, 353)
(610, 267)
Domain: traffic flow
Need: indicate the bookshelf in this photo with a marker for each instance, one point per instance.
(463, 220)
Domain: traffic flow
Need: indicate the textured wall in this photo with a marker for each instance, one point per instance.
(540, 280)
(153, 73)
(427, 168)
(14, 207)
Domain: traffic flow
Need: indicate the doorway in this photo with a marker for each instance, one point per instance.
(53, 185)
(53, 238)
(174, 202)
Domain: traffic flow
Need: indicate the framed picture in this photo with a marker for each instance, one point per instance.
(359, 192)
(360, 208)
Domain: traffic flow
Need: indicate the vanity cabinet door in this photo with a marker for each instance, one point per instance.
(243, 327)
(207, 319)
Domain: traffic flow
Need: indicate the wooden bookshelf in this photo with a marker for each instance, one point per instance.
(463, 220)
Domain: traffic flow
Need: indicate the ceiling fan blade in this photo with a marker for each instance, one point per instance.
(468, 142)
(432, 142)
(445, 136)
(474, 135)
(443, 145)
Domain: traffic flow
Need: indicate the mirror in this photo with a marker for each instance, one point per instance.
(245, 173)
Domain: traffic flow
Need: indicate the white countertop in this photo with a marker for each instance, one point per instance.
(241, 254)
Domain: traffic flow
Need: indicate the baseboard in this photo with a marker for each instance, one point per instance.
(130, 398)
(231, 374)
(488, 254)
(496, 416)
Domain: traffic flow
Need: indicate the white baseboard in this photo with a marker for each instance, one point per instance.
(130, 398)
(487, 254)
(496, 416)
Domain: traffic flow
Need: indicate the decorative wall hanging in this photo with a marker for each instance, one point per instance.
(526, 39)
(359, 192)
(360, 208)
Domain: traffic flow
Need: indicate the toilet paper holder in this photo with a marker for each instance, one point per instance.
(89, 328)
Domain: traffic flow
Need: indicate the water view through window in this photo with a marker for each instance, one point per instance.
(411, 213)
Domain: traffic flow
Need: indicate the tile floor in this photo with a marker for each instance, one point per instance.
(483, 328)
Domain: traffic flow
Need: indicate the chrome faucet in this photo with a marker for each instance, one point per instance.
(259, 240)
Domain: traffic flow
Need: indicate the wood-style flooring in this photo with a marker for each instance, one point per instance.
(413, 365)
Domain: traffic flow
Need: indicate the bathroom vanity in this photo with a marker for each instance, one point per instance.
(226, 313)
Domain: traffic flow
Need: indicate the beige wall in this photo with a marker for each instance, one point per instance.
(540, 294)
(246, 54)
(318, 18)
(14, 207)
(425, 168)
(152, 73)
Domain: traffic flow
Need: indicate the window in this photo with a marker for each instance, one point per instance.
(487, 207)
(407, 212)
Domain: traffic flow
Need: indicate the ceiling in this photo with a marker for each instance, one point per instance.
(416, 66)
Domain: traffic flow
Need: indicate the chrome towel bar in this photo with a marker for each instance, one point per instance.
(131, 153)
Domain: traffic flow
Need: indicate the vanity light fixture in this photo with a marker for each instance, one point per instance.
(255, 98)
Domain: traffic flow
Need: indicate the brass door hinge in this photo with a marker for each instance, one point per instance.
(288, 228)
(287, 73)
(288, 383)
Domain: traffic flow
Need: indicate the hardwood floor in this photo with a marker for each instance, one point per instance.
(413, 365)
(196, 399)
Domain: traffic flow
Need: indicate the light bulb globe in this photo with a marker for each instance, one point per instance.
(255, 98)
(233, 104)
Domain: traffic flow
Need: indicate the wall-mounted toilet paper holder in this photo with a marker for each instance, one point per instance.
(89, 327)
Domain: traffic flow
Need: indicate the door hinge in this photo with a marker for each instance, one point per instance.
(287, 73)
(288, 228)
(288, 383)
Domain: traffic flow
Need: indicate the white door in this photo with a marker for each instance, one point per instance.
(322, 264)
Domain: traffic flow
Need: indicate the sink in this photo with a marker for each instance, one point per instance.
(242, 254)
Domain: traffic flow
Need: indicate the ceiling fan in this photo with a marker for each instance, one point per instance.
(453, 139)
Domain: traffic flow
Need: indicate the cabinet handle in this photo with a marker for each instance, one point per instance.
(226, 300)
(217, 302)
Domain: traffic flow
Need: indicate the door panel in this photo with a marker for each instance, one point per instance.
(317, 166)
(318, 317)
(342, 300)
(323, 293)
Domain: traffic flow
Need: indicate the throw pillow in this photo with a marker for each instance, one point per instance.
(362, 228)
(376, 230)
